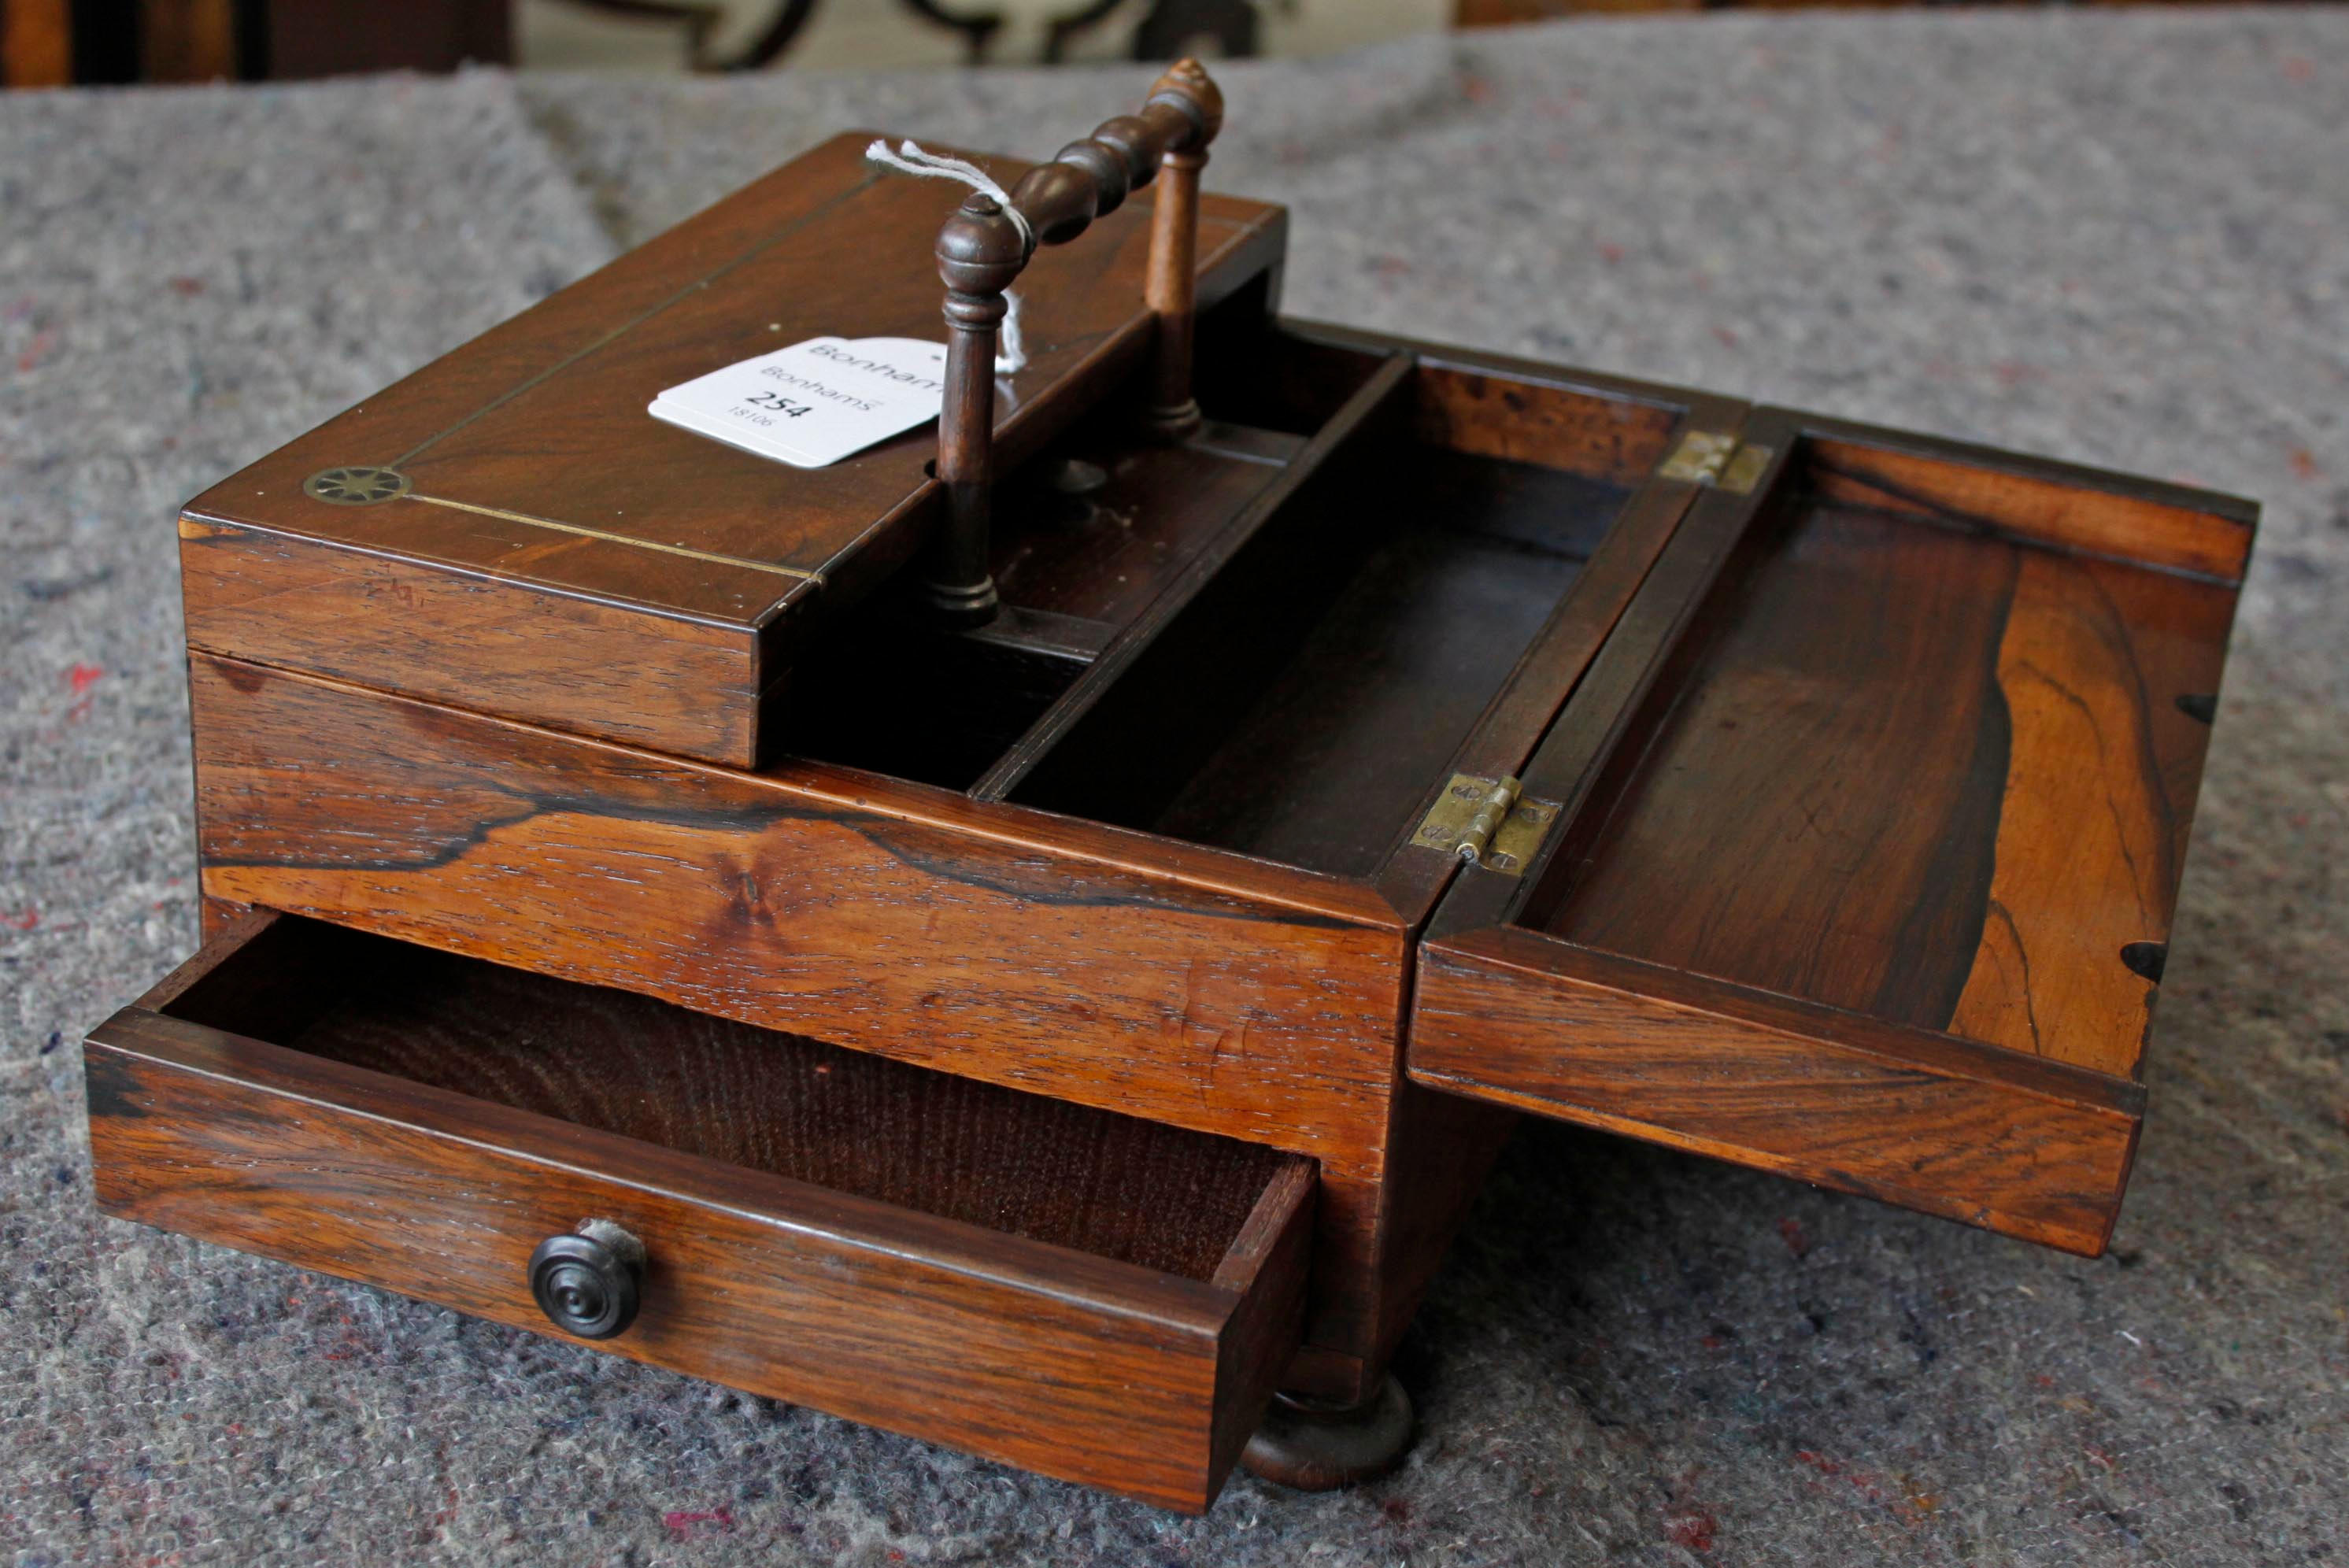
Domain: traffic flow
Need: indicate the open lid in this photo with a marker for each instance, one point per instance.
(1853, 856)
(515, 534)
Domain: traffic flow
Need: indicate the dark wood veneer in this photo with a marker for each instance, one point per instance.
(1142, 1193)
(607, 772)
(564, 557)
(884, 1281)
(1199, 984)
(1869, 803)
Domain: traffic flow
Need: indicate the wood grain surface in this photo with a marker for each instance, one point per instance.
(1107, 969)
(1043, 1354)
(1741, 1075)
(1611, 428)
(1144, 1192)
(1128, 970)
(1160, 507)
(1918, 774)
(2081, 509)
(536, 474)
(1878, 806)
(1042, 953)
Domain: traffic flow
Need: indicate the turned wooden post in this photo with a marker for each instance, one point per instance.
(1172, 288)
(980, 250)
(981, 253)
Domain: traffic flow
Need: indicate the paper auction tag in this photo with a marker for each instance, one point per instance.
(815, 402)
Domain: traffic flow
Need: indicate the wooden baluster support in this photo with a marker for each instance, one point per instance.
(981, 253)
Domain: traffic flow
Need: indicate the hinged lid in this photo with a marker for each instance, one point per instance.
(1875, 807)
(509, 531)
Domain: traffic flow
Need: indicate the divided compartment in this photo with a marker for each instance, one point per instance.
(892, 692)
(1277, 637)
(1878, 809)
(1089, 1294)
(1298, 697)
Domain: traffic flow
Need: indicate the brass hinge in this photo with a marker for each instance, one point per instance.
(1486, 823)
(1718, 459)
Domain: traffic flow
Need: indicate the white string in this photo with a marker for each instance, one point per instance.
(911, 160)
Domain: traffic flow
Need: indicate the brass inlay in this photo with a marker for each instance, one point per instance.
(812, 218)
(1485, 822)
(355, 486)
(573, 528)
(823, 211)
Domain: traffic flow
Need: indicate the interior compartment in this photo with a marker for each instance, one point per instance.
(1270, 638)
(1298, 708)
(1253, 370)
(1155, 1196)
(1912, 762)
(890, 691)
(1101, 556)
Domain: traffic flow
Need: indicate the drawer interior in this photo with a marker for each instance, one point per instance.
(1072, 1290)
(1158, 1197)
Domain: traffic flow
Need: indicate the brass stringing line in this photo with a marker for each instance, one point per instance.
(814, 577)
(607, 340)
(625, 327)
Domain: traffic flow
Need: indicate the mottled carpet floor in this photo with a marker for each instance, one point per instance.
(2114, 237)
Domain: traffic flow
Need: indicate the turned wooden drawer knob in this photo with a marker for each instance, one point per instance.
(586, 1281)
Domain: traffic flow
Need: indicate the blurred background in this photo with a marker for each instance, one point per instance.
(50, 43)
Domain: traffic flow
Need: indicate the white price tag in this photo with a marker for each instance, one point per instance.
(815, 402)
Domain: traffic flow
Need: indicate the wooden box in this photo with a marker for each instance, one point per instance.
(1053, 1026)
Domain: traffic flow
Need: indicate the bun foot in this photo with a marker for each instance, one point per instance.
(1318, 1447)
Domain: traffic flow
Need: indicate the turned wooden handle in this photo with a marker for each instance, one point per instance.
(981, 251)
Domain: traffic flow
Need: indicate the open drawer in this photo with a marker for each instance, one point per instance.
(1870, 822)
(1079, 1293)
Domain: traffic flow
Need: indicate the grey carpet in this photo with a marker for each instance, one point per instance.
(2114, 237)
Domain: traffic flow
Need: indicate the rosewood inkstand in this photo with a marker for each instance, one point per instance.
(1032, 937)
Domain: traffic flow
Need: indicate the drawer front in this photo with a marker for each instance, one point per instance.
(1042, 1355)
